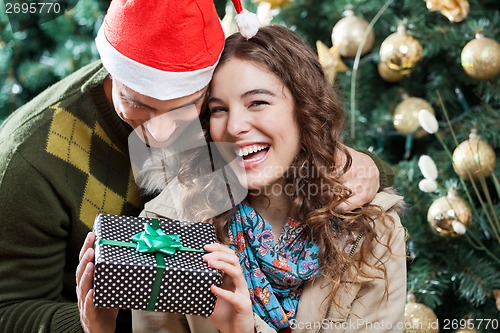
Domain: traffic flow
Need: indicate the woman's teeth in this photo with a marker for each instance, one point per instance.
(242, 152)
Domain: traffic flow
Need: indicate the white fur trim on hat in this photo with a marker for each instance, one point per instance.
(150, 81)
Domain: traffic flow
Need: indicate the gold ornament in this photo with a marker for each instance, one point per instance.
(405, 117)
(419, 318)
(274, 3)
(467, 330)
(349, 33)
(388, 74)
(330, 60)
(264, 13)
(228, 23)
(454, 10)
(447, 211)
(474, 158)
(481, 58)
(496, 293)
(400, 51)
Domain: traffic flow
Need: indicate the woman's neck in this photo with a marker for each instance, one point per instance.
(274, 208)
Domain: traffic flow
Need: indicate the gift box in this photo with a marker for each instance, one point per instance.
(153, 264)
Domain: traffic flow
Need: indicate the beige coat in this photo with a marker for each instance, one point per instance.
(366, 308)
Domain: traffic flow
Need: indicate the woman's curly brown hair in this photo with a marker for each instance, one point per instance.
(321, 161)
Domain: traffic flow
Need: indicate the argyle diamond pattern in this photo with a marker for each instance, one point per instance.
(72, 140)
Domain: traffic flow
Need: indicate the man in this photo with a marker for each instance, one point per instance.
(64, 155)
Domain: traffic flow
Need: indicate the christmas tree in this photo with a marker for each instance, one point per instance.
(453, 248)
(38, 49)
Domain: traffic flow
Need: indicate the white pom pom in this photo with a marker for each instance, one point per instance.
(427, 121)
(458, 227)
(428, 167)
(247, 23)
(427, 185)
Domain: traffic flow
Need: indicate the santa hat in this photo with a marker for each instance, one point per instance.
(163, 49)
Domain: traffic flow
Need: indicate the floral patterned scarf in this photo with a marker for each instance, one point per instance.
(275, 272)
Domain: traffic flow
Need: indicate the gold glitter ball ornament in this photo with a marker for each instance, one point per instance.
(349, 33)
(419, 318)
(481, 58)
(405, 118)
(496, 293)
(449, 212)
(274, 3)
(474, 158)
(467, 330)
(454, 10)
(400, 51)
(388, 74)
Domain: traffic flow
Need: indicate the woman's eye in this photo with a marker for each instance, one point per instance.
(216, 110)
(258, 103)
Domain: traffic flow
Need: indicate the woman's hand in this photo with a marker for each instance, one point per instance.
(92, 319)
(233, 310)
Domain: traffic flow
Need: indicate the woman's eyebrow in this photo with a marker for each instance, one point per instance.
(246, 94)
(257, 92)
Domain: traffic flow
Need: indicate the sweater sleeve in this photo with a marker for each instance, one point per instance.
(386, 173)
(33, 249)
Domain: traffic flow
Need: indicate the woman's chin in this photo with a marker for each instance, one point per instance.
(264, 187)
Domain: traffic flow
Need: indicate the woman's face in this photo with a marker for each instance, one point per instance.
(252, 109)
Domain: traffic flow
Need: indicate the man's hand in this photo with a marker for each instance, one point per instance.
(92, 319)
(363, 180)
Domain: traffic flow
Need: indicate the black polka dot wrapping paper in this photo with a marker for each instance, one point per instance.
(169, 274)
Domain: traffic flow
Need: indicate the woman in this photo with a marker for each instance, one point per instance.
(293, 262)
(290, 260)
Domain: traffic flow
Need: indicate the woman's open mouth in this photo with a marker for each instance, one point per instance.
(252, 155)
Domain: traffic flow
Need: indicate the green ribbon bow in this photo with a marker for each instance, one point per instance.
(153, 240)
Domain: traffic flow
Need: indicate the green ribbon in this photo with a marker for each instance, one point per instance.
(153, 240)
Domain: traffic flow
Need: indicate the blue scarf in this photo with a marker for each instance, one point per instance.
(274, 271)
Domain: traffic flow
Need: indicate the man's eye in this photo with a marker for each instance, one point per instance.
(135, 106)
(132, 104)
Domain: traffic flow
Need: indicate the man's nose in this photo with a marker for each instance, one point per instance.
(160, 127)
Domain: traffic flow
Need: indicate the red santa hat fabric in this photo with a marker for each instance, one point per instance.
(164, 49)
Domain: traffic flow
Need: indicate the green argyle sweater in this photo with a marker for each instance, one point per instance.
(63, 159)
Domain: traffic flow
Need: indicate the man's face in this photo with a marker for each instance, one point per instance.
(158, 120)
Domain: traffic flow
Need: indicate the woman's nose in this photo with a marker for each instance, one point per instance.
(238, 123)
